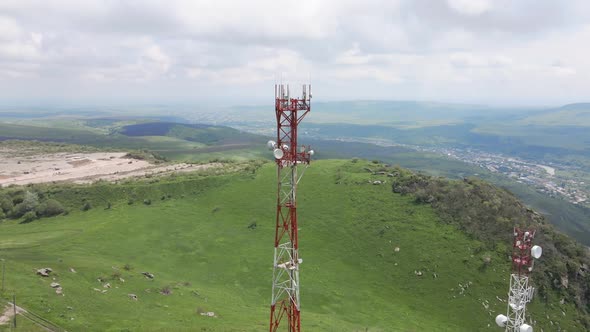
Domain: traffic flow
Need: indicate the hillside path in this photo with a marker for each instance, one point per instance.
(8, 313)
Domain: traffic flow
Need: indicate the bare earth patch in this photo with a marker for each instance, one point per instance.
(8, 313)
(79, 167)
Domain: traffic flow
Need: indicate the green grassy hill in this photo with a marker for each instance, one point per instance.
(193, 141)
(186, 142)
(577, 115)
(208, 239)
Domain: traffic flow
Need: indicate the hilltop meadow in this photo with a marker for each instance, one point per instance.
(389, 257)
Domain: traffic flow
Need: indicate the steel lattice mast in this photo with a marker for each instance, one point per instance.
(285, 303)
(520, 293)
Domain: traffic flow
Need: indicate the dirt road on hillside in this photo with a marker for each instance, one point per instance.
(8, 313)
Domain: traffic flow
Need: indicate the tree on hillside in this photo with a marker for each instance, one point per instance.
(29, 203)
(30, 216)
(50, 208)
(31, 200)
(6, 204)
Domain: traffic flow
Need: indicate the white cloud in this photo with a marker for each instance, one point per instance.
(18, 50)
(470, 7)
(153, 56)
(37, 39)
(9, 29)
(386, 75)
(466, 59)
(352, 56)
(281, 62)
(458, 49)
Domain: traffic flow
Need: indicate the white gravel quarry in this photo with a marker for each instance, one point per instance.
(79, 167)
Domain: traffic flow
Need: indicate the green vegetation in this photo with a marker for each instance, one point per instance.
(208, 244)
(225, 146)
(146, 155)
(174, 141)
(25, 322)
(569, 218)
(489, 214)
(568, 115)
(28, 148)
(206, 134)
(16, 203)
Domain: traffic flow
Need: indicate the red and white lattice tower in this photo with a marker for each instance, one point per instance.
(285, 305)
(523, 255)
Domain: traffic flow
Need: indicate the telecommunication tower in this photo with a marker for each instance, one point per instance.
(523, 255)
(288, 155)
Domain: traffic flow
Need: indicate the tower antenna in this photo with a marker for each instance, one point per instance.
(523, 255)
(285, 304)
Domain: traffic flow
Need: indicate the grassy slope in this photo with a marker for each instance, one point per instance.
(188, 144)
(568, 115)
(182, 143)
(216, 142)
(569, 218)
(351, 277)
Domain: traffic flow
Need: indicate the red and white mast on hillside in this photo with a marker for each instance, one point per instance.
(523, 255)
(285, 303)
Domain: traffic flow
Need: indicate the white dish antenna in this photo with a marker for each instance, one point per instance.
(271, 145)
(278, 153)
(526, 328)
(501, 320)
(536, 251)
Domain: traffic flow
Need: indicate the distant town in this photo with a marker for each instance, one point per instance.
(543, 178)
(550, 179)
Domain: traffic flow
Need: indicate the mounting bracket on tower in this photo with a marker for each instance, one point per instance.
(288, 155)
(523, 255)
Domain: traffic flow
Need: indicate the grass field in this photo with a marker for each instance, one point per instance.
(172, 140)
(569, 218)
(198, 244)
(206, 143)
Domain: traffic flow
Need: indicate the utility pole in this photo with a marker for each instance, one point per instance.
(14, 308)
(3, 270)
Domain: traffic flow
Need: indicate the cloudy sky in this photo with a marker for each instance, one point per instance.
(477, 51)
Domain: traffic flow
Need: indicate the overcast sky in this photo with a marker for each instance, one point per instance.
(477, 51)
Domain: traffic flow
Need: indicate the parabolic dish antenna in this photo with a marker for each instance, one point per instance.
(271, 145)
(536, 251)
(501, 320)
(278, 153)
(526, 328)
